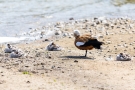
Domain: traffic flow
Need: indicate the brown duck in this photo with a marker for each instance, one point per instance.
(86, 42)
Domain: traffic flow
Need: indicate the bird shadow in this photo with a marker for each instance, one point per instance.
(77, 57)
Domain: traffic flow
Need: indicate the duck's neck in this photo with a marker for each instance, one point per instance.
(77, 36)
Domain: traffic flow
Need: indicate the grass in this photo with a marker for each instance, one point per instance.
(130, 1)
(122, 2)
(26, 72)
(54, 80)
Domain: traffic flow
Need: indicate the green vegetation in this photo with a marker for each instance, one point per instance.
(54, 80)
(26, 72)
(130, 1)
(122, 2)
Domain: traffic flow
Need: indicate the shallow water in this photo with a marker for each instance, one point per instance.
(18, 16)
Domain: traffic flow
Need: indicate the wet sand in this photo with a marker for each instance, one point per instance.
(68, 69)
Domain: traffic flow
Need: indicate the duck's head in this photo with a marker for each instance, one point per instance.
(8, 45)
(76, 33)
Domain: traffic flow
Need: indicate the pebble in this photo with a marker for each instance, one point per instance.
(46, 39)
(109, 58)
(75, 61)
(2, 81)
(28, 82)
(71, 18)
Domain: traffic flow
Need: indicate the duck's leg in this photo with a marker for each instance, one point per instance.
(86, 53)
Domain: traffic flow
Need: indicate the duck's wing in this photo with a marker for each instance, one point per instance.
(80, 41)
(90, 42)
(93, 42)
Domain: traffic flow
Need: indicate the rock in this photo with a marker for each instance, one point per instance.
(34, 72)
(28, 82)
(58, 32)
(49, 57)
(2, 81)
(16, 64)
(46, 39)
(38, 54)
(71, 18)
(27, 66)
(108, 59)
(65, 34)
(42, 63)
(75, 61)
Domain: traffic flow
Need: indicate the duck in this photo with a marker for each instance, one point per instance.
(86, 42)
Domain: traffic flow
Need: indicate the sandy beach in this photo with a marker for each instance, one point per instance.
(40, 69)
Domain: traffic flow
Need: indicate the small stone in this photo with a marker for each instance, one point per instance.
(26, 66)
(46, 39)
(34, 72)
(49, 57)
(65, 34)
(42, 63)
(58, 33)
(28, 82)
(2, 81)
(16, 64)
(71, 18)
(108, 58)
(53, 67)
(75, 61)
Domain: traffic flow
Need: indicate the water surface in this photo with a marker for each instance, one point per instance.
(18, 16)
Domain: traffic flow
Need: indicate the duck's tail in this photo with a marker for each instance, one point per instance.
(97, 44)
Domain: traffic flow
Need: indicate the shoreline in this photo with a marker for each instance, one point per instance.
(67, 69)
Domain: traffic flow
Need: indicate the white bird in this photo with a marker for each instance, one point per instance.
(123, 57)
(53, 47)
(15, 54)
(8, 49)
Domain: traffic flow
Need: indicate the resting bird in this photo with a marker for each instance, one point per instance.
(15, 54)
(53, 47)
(86, 42)
(8, 49)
